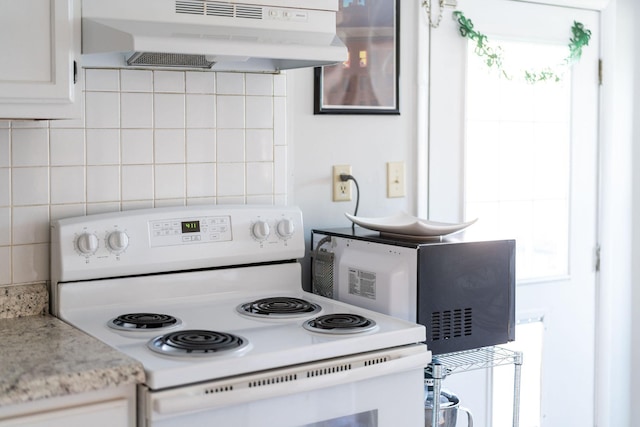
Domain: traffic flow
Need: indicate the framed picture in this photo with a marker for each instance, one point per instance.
(367, 82)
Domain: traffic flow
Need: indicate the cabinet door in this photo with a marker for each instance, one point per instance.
(104, 414)
(39, 44)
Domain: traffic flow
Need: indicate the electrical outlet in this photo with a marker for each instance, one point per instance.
(395, 179)
(341, 189)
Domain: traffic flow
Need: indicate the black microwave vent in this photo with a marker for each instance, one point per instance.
(451, 324)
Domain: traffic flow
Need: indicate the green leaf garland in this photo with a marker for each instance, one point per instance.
(493, 55)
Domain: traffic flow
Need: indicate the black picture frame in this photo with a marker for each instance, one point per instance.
(368, 82)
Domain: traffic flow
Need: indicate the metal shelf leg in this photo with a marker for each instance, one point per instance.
(516, 388)
(437, 370)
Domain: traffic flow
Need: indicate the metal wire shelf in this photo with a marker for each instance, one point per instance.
(468, 360)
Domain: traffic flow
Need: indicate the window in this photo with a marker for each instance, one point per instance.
(517, 163)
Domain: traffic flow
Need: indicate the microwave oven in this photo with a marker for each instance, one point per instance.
(462, 291)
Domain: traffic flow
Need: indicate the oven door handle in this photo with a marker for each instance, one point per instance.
(201, 397)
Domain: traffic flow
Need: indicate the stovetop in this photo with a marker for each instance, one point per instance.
(272, 342)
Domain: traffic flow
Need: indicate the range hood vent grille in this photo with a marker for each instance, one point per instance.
(170, 60)
(190, 7)
(218, 9)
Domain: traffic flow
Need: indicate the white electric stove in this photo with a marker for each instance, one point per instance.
(209, 300)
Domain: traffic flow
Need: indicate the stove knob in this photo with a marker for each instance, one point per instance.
(260, 230)
(117, 241)
(286, 228)
(87, 243)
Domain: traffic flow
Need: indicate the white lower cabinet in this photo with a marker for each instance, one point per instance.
(110, 408)
(105, 414)
(40, 49)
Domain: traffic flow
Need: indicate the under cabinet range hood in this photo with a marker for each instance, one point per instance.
(245, 36)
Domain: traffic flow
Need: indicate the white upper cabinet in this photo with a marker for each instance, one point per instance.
(39, 47)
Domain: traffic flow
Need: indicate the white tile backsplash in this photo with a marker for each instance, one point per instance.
(30, 263)
(260, 200)
(105, 207)
(259, 145)
(30, 186)
(30, 147)
(169, 81)
(103, 183)
(67, 184)
(136, 80)
(201, 111)
(137, 182)
(259, 114)
(201, 145)
(102, 80)
(5, 265)
(170, 182)
(30, 225)
(103, 146)
(259, 84)
(5, 144)
(136, 110)
(280, 121)
(29, 124)
(5, 226)
(146, 139)
(66, 211)
(102, 110)
(259, 178)
(137, 204)
(5, 187)
(201, 180)
(230, 145)
(169, 110)
(169, 146)
(67, 147)
(230, 179)
(200, 82)
(136, 146)
(230, 84)
(231, 114)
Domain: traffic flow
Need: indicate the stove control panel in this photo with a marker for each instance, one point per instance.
(262, 230)
(87, 243)
(117, 241)
(191, 230)
(286, 228)
(173, 239)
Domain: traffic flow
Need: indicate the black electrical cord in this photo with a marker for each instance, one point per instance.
(346, 177)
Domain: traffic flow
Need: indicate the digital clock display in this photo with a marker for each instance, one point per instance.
(190, 227)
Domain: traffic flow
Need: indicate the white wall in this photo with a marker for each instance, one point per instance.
(634, 378)
(614, 327)
(367, 143)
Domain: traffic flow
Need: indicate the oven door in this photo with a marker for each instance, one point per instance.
(377, 389)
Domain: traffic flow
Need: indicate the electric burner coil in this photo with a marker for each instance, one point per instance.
(197, 342)
(143, 322)
(340, 323)
(279, 307)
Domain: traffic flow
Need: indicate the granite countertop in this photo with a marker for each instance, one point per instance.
(42, 357)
